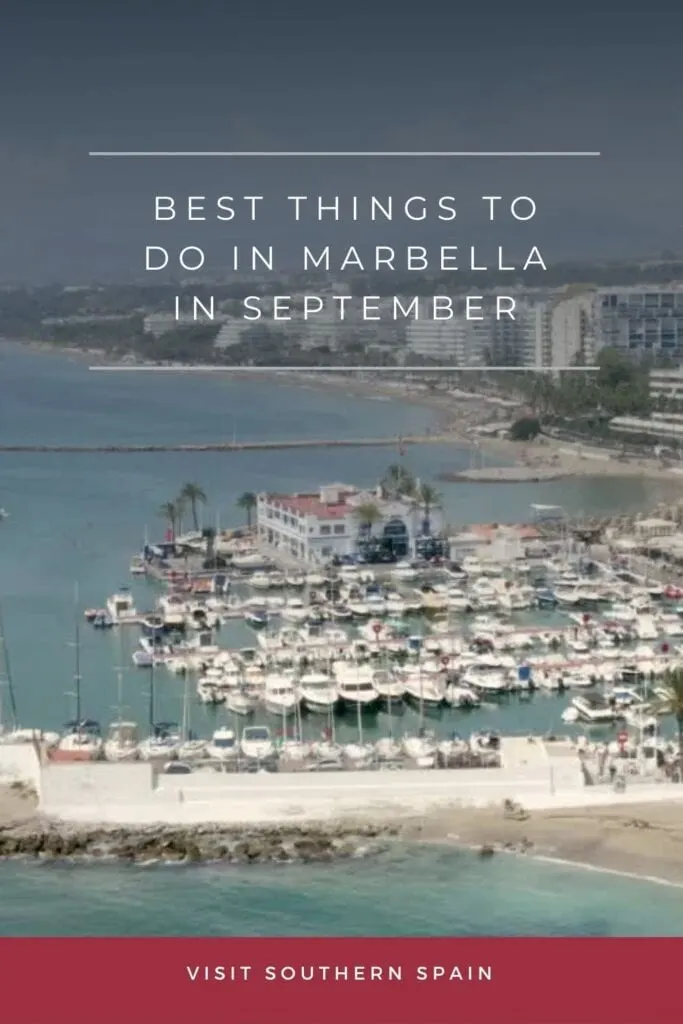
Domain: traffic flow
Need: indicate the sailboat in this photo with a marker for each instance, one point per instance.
(122, 739)
(81, 740)
(15, 734)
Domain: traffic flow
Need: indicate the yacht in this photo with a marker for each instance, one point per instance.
(223, 745)
(458, 696)
(138, 566)
(80, 742)
(295, 610)
(280, 696)
(356, 689)
(318, 693)
(260, 581)
(595, 711)
(163, 742)
(121, 607)
(421, 749)
(424, 690)
(390, 690)
(256, 743)
(122, 741)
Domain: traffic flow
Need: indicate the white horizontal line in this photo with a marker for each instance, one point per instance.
(344, 153)
(340, 369)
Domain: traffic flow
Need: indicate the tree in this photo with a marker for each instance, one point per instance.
(247, 502)
(525, 429)
(398, 482)
(427, 498)
(367, 515)
(194, 495)
(169, 512)
(672, 704)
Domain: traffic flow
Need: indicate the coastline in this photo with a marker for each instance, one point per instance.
(642, 842)
(455, 424)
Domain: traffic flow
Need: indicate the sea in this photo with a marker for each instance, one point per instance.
(75, 521)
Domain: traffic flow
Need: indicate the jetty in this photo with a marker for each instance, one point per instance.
(505, 475)
(229, 446)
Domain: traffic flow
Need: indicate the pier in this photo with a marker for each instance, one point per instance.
(228, 446)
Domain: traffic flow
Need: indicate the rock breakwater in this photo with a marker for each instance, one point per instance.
(196, 844)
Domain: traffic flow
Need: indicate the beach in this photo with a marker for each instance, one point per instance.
(642, 840)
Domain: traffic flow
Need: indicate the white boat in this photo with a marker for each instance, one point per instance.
(122, 741)
(390, 689)
(173, 610)
(239, 701)
(594, 710)
(424, 690)
(163, 743)
(81, 741)
(459, 696)
(138, 566)
(257, 618)
(387, 749)
(420, 749)
(295, 580)
(223, 745)
(318, 693)
(280, 696)
(256, 743)
(356, 687)
(404, 571)
(295, 610)
(121, 607)
(260, 581)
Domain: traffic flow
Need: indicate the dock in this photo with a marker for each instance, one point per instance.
(227, 446)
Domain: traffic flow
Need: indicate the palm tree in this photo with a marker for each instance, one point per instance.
(169, 512)
(194, 495)
(672, 704)
(367, 515)
(398, 481)
(247, 501)
(427, 498)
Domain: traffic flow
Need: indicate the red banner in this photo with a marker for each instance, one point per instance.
(341, 981)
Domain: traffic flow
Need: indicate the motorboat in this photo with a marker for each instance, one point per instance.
(223, 745)
(318, 693)
(256, 743)
(595, 711)
(390, 689)
(163, 742)
(257, 618)
(458, 696)
(279, 695)
(138, 566)
(295, 610)
(356, 688)
(121, 607)
(121, 743)
(421, 749)
(424, 690)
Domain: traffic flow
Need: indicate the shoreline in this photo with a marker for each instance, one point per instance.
(640, 842)
(540, 458)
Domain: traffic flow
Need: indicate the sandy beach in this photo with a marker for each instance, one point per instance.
(643, 840)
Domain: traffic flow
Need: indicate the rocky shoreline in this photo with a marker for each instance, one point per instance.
(198, 844)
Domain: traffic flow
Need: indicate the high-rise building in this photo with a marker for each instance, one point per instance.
(643, 320)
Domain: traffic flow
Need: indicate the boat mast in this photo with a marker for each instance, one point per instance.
(6, 678)
(151, 693)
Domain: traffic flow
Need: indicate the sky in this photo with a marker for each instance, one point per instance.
(77, 76)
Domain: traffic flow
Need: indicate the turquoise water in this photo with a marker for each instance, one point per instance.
(426, 892)
(78, 519)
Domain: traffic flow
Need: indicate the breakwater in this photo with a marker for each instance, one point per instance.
(199, 844)
(227, 446)
(506, 475)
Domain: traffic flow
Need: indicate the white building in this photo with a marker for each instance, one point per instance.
(317, 527)
(643, 319)
(667, 384)
(572, 330)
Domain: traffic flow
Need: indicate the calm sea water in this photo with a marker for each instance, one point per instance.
(76, 519)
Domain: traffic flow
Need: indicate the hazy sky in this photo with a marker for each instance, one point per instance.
(83, 75)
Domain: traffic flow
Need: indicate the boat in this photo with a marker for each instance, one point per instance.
(121, 743)
(594, 710)
(102, 620)
(421, 749)
(239, 701)
(256, 743)
(81, 741)
(295, 580)
(121, 607)
(424, 691)
(280, 696)
(223, 745)
(4, 514)
(163, 742)
(458, 696)
(356, 688)
(257, 618)
(318, 693)
(390, 690)
(138, 566)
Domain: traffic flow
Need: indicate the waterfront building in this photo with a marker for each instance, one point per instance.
(667, 426)
(643, 320)
(317, 527)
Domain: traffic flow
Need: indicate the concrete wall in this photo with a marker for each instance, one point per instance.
(20, 762)
(131, 793)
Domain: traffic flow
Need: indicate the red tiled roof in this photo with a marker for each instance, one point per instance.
(310, 505)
